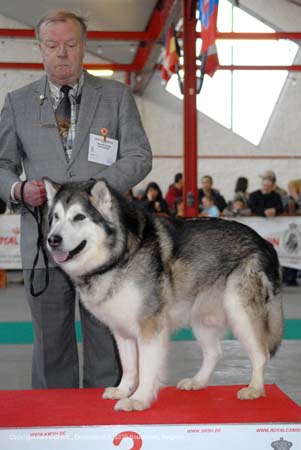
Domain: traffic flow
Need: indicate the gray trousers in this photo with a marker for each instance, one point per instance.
(55, 357)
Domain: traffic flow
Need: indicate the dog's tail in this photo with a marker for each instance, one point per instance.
(275, 323)
(266, 283)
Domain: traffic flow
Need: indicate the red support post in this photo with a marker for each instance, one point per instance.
(190, 192)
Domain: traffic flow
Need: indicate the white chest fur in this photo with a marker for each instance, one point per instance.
(118, 309)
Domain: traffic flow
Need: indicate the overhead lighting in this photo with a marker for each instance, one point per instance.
(102, 73)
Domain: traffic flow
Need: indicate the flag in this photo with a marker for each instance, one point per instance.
(171, 56)
(208, 17)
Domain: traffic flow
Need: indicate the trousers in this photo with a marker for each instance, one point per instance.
(55, 362)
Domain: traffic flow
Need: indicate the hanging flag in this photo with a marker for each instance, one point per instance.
(172, 55)
(208, 16)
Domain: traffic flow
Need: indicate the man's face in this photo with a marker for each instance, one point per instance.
(62, 47)
(206, 184)
(267, 186)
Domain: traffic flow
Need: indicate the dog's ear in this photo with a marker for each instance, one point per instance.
(51, 190)
(101, 196)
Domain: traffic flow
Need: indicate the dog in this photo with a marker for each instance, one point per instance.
(145, 275)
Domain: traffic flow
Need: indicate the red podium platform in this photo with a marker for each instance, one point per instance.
(207, 419)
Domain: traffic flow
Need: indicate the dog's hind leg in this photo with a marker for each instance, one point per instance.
(208, 338)
(152, 359)
(127, 348)
(247, 325)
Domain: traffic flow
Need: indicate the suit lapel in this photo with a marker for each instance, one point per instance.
(91, 94)
(45, 116)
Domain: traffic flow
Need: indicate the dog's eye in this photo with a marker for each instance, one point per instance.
(79, 217)
(56, 216)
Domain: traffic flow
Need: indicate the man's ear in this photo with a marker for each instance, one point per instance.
(101, 197)
(51, 190)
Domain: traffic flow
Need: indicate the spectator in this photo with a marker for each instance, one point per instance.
(241, 188)
(207, 189)
(293, 206)
(179, 208)
(270, 174)
(2, 206)
(209, 209)
(175, 191)
(153, 200)
(265, 202)
(237, 208)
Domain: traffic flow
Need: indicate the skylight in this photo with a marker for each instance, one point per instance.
(243, 101)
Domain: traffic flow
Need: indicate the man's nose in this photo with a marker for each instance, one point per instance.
(61, 50)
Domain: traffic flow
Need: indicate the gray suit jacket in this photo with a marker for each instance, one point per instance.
(29, 139)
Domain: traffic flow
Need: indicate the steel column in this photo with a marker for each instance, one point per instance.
(190, 193)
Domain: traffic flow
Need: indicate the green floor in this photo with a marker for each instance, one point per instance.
(22, 332)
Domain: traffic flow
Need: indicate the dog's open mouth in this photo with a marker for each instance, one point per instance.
(61, 257)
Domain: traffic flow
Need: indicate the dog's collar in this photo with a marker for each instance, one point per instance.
(84, 279)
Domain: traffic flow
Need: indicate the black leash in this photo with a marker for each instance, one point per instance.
(37, 215)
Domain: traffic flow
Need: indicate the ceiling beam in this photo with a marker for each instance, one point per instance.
(89, 66)
(150, 36)
(165, 12)
(132, 68)
(91, 35)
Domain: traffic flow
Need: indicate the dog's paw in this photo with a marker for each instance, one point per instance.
(190, 384)
(250, 393)
(114, 393)
(130, 404)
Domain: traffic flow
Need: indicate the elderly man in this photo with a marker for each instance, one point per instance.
(47, 128)
(266, 201)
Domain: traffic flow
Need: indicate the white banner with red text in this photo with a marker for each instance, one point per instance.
(10, 257)
(283, 232)
(155, 437)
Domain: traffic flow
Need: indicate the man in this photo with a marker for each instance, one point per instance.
(272, 176)
(34, 137)
(265, 202)
(207, 189)
(175, 192)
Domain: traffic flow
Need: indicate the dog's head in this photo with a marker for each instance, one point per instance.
(82, 225)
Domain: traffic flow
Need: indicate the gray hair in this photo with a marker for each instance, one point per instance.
(61, 16)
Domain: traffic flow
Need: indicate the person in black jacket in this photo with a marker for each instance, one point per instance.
(2, 206)
(266, 202)
(153, 200)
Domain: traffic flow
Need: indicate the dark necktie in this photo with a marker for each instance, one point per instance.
(63, 113)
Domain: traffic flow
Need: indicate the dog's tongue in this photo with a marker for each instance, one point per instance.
(60, 256)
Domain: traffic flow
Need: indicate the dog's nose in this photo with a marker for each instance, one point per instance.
(54, 240)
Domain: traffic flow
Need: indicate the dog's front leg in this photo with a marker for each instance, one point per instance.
(152, 362)
(127, 348)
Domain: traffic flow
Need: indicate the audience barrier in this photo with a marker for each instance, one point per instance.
(284, 232)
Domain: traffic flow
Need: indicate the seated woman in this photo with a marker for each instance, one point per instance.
(153, 200)
(293, 206)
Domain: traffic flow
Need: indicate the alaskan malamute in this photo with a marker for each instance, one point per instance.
(144, 276)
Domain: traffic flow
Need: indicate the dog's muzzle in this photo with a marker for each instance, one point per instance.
(54, 243)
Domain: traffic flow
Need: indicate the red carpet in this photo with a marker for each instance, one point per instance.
(75, 407)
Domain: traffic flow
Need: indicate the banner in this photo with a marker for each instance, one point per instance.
(10, 257)
(283, 232)
(160, 437)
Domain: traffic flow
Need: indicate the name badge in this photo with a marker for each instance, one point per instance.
(102, 151)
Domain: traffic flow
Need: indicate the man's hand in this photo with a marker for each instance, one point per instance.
(34, 192)
(270, 212)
